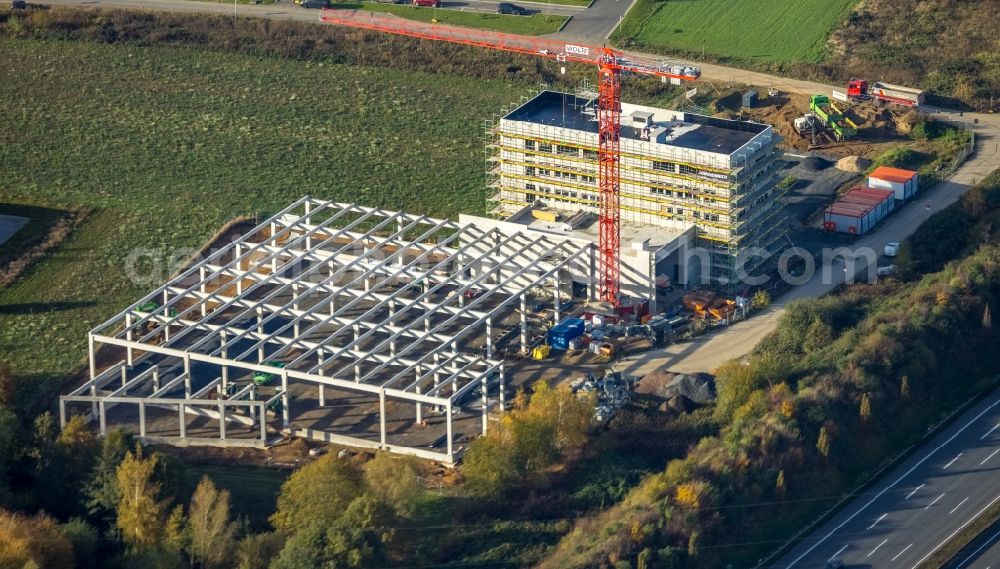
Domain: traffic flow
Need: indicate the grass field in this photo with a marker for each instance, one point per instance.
(771, 31)
(166, 144)
(534, 25)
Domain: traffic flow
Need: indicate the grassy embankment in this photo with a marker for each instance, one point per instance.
(948, 48)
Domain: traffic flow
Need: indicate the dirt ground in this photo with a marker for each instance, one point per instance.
(880, 128)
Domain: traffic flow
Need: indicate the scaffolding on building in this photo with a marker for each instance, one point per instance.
(329, 302)
(726, 197)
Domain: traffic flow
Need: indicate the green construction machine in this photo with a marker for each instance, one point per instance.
(831, 115)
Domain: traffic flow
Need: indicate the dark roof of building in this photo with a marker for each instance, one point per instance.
(567, 111)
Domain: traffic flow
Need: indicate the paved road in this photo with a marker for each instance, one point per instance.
(285, 9)
(982, 553)
(918, 506)
(596, 23)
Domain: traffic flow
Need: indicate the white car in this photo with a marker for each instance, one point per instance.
(891, 249)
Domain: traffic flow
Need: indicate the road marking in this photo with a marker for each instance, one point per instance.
(902, 477)
(954, 533)
(954, 459)
(878, 520)
(989, 457)
(934, 502)
(915, 490)
(995, 427)
(901, 552)
(841, 550)
(958, 506)
(877, 546)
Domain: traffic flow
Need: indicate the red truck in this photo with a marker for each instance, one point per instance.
(427, 3)
(859, 89)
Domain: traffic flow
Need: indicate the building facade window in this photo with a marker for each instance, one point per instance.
(664, 166)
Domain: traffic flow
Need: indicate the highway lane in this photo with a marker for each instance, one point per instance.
(982, 553)
(916, 508)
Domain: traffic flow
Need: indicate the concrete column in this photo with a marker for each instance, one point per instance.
(322, 388)
(557, 301)
(451, 442)
(253, 408)
(204, 305)
(285, 402)
(592, 281)
(420, 409)
(182, 420)
(381, 416)
(489, 337)
(129, 337)
(91, 356)
(62, 413)
(296, 328)
(224, 354)
(102, 414)
(93, 371)
(124, 374)
(222, 421)
(263, 423)
(187, 374)
(333, 297)
(142, 420)
(486, 402)
(260, 330)
(503, 389)
(524, 323)
(156, 378)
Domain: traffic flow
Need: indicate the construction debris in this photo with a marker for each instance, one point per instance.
(854, 164)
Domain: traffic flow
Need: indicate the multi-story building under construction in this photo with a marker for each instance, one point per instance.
(707, 180)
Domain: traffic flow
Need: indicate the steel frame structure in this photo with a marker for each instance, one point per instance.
(611, 64)
(349, 298)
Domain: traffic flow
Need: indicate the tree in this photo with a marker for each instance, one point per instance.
(35, 541)
(393, 481)
(488, 467)
(177, 532)
(353, 541)
(317, 493)
(8, 385)
(142, 514)
(256, 551)
(213, 534)
(818, 336)
(101, 492)
(987, 317)
(866, 409)
(760, 300)
(85, 540)
(779, 485)
(904, 387)
(823, 442)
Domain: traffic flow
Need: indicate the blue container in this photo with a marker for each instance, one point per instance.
(558, 342)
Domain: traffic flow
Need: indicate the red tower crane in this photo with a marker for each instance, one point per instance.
(611, 65)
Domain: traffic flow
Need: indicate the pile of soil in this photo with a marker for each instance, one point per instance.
(853, 164)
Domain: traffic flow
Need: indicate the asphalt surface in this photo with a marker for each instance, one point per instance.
(287, 10)
(981, 553)
(593, 25)
(918, 506)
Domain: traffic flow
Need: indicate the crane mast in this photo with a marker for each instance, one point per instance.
(610, 64)
(609, 110)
